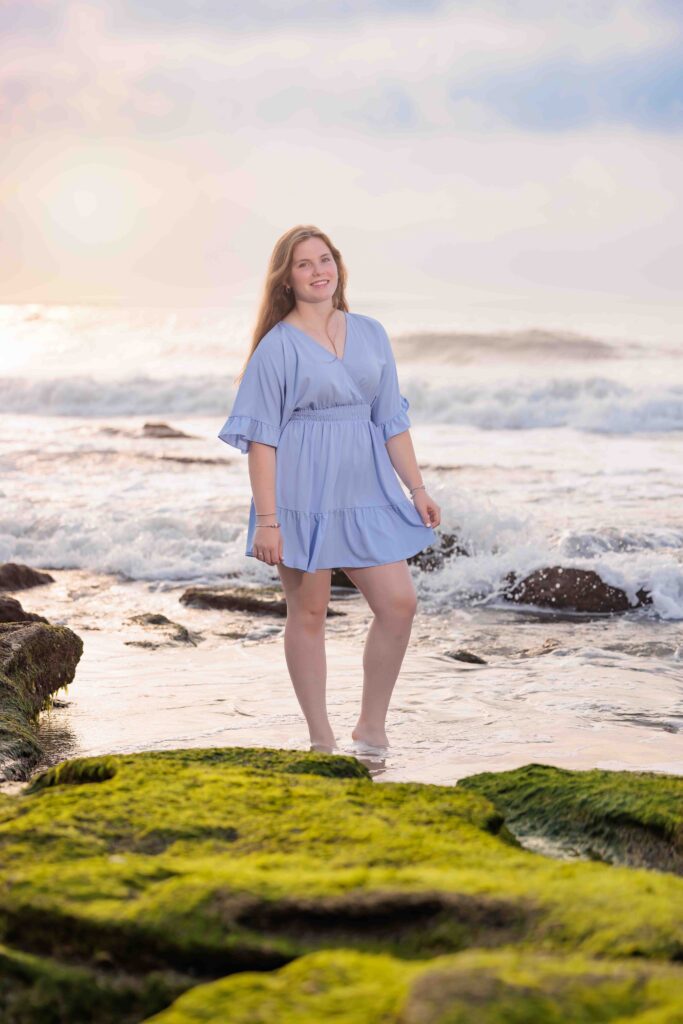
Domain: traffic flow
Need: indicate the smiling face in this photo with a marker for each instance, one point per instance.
(313, 275)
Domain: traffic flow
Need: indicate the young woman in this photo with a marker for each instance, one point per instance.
(320, 414)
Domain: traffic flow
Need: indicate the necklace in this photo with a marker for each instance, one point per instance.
(333, 344)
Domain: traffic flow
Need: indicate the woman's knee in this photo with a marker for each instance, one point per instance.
(307, 615)
(398, 608)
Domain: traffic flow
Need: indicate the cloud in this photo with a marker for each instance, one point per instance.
(643, 91)
(96, 68)
(155, 154)
(262, 15)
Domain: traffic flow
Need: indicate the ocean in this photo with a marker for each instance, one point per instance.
(552, 439)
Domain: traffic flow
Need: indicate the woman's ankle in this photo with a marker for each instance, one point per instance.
(322, 738)
(369, 732)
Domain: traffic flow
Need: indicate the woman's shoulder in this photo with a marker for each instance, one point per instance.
(363, 318)
(369, 325)
(272, 342)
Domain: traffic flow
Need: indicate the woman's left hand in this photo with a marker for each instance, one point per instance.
(427, 507)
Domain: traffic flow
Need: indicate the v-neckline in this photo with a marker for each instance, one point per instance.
(339, 359)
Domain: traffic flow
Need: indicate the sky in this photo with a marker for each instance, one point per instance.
(153, 152)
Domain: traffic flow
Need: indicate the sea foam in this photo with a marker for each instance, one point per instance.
(591, 404)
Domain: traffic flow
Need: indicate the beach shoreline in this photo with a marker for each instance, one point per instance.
(138, 688)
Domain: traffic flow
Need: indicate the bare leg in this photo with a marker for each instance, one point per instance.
(390, 592)
(308, 596)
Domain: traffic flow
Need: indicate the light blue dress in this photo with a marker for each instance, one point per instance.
(337, 495)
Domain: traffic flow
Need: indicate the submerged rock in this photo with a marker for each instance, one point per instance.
(549, 645)
(264, 601)
(188, 866)
(565, 587)
(462, 655)
(36, 660)
(163, 430)
(174, 633)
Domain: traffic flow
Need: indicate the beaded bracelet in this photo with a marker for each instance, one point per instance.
(413, 489)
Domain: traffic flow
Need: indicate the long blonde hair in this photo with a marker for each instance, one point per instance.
(276, 303)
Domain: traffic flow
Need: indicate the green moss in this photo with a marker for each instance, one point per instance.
(267, 759)
(214, 862)
(36, 660)
(74, 773)
(192, 850)
(633, 818)
(18, 717)
(478, 987)
(343, 987)
(38, 990)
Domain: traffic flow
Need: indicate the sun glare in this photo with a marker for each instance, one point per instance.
(94, 204)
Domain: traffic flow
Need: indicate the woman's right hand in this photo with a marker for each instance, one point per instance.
(267, 544)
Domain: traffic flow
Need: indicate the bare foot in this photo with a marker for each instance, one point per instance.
(324, 744)
(371, 737)
(325, 748)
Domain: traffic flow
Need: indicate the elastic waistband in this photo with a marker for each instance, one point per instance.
(361, 411)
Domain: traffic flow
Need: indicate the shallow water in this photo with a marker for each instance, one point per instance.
(575, 692)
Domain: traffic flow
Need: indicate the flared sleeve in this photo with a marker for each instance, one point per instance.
(258, 411)
(389, 409)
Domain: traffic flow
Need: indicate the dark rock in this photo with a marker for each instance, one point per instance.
(265, 601)
(36, 660)
(177, 634)
(434, 557)
(11, 611)
(191, 460)
(162, 430)
(21, 577)
(566, 587)
(340, 579)
(463, 655)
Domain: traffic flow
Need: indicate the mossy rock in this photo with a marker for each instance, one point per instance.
(187, 866)
(264, 759)
(632, 818)
(36, 660)
(41, 990)
(474, 987)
